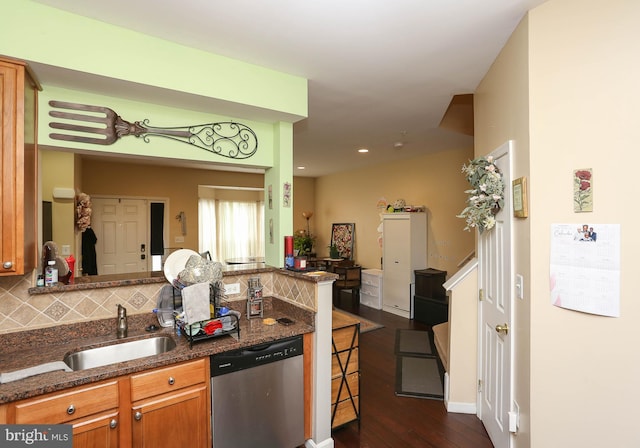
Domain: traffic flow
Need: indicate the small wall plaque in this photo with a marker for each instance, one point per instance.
(520, 197)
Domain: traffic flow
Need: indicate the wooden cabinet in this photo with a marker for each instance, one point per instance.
(18, 155)
(345, 370)
(404, 250)
(430, 302)
(168, 406)
(91, 410)
(171, 404)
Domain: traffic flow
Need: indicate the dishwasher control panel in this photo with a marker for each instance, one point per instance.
(256, 355)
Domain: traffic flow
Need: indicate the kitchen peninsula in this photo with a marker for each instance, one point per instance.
(302, 298)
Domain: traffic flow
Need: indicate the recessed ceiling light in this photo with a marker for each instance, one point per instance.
(363, 150)
(301, 167)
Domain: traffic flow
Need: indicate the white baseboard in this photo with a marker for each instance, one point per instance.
(396, 311)
(461, 408)
(328, 443)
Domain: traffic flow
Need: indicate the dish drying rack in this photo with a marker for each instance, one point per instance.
(195, 332)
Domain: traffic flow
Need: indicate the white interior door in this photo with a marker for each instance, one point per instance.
(494, 248)
(121, 226)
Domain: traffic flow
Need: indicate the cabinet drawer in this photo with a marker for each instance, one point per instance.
(64, 407)
(344, 338)
(354, 387)
(370, 290)
(353, 365)
(165, 380)
(371, 280)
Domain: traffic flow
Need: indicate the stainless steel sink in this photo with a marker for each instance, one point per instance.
(125, 351)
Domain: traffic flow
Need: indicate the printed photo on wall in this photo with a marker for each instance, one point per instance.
(286, 195)
(270, 230)
(583, 190)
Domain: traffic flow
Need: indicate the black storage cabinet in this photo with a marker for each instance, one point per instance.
(430, 303)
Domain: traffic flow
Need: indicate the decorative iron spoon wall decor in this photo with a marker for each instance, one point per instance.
(226, 139)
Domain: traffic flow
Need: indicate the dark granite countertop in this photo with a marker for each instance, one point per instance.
(141, 278)
(30, 348)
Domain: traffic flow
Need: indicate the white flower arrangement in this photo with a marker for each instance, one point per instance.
(486, 197)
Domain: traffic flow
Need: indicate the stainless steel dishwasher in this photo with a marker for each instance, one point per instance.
(257, 396)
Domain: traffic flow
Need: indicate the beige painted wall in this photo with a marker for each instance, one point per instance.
(304, 201)
(57, 171)
(501, 113)
(582, 89)
(433, 180)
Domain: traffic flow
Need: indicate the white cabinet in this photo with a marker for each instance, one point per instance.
(404, 250)
(371, 288)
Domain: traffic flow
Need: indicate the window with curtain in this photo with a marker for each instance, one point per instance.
(231, 229)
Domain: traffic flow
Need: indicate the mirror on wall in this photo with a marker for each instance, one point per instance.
(117, 182)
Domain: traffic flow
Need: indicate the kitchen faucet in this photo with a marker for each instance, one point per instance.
(122, 325)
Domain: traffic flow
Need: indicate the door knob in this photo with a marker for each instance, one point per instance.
(503, 329)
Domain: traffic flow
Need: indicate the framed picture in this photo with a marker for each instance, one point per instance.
(583, 190)
(520, 197)
(343, 237)
(286, 195)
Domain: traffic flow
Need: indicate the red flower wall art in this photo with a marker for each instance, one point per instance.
(583, 190)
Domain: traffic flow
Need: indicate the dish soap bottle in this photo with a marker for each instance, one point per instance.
(51, 274)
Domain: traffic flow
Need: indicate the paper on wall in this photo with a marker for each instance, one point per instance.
(585, 268)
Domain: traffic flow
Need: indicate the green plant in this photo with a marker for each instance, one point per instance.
(333, 251)
(303, 242)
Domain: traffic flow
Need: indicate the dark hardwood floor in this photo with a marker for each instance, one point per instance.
(390, 421)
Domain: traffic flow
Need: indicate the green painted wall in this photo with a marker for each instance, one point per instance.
(39, 33)
(100, 54)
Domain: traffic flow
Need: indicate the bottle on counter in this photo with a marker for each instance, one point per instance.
(51, 274)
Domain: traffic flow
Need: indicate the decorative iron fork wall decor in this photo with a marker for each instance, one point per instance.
(227, 139)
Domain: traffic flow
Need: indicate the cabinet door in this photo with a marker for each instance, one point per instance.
(175, 419)
(101, 431)
(396, 260)
(18, 166)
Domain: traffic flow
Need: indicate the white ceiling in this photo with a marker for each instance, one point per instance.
(380, 71)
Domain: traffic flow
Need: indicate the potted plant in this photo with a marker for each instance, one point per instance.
(333, 251)
(303, 243)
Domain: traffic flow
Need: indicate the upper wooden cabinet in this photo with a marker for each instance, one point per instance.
(18, 164)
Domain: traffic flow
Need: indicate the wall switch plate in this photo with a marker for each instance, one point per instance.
(232, 288)
(514, 418)
(520, 286)
(66, 249)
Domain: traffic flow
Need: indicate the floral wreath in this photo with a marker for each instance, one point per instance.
(83, 211)
(486, 198)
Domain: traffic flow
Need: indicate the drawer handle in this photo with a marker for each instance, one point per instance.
(171, 381)
(113, 423)
(7, 265)
(138, 416)
(71, 409)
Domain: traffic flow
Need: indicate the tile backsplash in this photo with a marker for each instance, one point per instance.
(21, 311)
